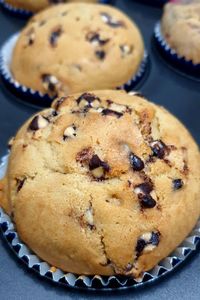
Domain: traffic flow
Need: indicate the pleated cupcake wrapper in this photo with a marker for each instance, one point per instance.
(23, 13)
(165, 267)
(176, 61)
(35, 97)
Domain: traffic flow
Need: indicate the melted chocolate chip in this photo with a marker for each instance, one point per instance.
(146, 201)
(136, 162)
(20, 183)
(94, 37)
(159, 149)
(96, 162)
(109, 112)
(38, 122)
(109, 20)
(55, 34)
(145, 188)
(177, 184)
(88, 97)
(100, 54)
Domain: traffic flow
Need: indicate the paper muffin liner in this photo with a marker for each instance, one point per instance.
(18, 12)
(23, 13)
(36, 97)
(176, 61)
(164, 268)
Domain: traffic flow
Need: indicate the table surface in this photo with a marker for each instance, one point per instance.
(164, 86)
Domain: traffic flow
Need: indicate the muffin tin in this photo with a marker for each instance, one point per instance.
(164, 86)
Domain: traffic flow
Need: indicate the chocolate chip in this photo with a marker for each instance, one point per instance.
(87, 101)
(136, 162)
(177, 184)
(110, 21)
(55, 34)
(140, 246)
(109, 112)
(146, 201)
(59, 102)
(20, 183)
(50, 82)
(96, 162)
(147, 242)
(159, 149)
(144, 188)
(38, 122)
(54, 113)
(95, 38)
(88, 97)
(98, 167)
(100, 54)
(70, 132)
(155, 238)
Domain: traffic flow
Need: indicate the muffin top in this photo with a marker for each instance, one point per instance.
(180, 26)
(102, 183)
(77, 47)
(37, 5)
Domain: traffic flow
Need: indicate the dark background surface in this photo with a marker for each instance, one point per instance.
(164, 86)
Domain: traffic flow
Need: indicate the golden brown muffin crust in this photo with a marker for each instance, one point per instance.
(103, 183)
(76, 47)
(180, 26)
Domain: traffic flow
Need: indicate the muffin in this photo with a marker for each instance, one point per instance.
(77, 47)
(180, 27)
(103, 183)
(37, 5)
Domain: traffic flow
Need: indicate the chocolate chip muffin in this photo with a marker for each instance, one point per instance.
(77, 47)
(180, 27)
(37, 5)
(103, 183)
